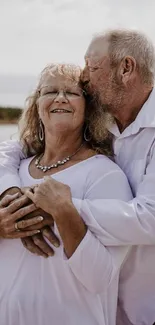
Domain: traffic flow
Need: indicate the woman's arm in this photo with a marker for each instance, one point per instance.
(92, 263)
(10, 157)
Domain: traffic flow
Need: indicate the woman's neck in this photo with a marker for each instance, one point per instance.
(58, 148)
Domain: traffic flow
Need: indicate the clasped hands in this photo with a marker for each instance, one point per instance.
(33, 210)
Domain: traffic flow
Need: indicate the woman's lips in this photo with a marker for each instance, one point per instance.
(59, 110)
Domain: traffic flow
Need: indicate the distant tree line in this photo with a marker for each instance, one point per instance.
(10, 114)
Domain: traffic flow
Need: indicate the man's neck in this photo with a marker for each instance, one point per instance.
(129, 111)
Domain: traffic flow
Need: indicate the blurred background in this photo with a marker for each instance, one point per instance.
(36, 32)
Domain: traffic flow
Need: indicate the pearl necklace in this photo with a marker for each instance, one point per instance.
(57, 164)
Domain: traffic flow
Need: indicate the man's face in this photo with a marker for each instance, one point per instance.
(98, 75)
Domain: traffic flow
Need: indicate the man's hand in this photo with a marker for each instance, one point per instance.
(11, 212)
(11, 191)
(47, 219)
(38, 245)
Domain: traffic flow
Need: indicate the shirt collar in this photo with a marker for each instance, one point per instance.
(144, 119)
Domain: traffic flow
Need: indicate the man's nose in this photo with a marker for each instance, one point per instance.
(85, 76)
(61, 97)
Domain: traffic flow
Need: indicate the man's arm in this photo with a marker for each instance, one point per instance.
(125, 223)
(10, 157)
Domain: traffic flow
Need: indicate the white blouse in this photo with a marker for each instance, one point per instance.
(81, 290)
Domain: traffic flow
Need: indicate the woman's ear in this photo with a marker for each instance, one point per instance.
(127, 68)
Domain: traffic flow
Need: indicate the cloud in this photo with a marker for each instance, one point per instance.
(36, 32)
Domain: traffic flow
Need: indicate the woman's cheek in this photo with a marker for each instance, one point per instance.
(44, 106)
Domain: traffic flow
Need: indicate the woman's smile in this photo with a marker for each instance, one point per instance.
(63, 97)
(60, 110)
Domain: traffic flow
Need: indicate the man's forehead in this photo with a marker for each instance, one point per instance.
(97, 49)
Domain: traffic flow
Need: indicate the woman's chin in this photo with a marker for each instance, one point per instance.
(61, 127)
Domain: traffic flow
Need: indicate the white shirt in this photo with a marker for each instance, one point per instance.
(134, 222)
(128, 222)
(80, 290)
(135, 154)
(10, 157)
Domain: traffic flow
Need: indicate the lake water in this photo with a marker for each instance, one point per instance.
(8, 131)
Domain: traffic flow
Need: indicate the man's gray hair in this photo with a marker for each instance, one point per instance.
(136, 44)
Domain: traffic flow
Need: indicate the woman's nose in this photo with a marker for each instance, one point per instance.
(61, 97)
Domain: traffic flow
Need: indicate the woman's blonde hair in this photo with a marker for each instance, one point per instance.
(96, 121)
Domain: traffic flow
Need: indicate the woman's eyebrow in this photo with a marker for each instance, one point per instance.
(47, 87)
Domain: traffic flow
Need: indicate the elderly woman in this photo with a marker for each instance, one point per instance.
(79, 284)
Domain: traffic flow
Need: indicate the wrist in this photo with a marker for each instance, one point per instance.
(62, 209)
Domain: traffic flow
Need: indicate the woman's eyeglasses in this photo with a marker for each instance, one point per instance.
(52, 93)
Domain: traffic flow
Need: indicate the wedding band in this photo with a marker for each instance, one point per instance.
(16, 226)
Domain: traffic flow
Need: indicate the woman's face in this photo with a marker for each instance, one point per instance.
(61, 105)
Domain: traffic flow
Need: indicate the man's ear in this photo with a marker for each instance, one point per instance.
(127, 68)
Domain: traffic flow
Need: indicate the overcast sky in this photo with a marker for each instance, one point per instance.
(36, 32)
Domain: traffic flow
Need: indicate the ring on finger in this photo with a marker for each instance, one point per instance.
(16, 226)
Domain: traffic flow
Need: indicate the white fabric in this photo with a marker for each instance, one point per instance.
(10, 156)
(133, 222)
(135, 153)
(80, 290)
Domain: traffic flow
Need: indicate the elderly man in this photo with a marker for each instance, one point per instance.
(119, 74)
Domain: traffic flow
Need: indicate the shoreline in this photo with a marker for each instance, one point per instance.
(3, 122)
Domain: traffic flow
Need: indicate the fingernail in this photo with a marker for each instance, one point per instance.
(40, 218)
(16, 194)
(56, 244)
(37, 231)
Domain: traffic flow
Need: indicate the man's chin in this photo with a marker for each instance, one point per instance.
(92, 93)
(98, 100)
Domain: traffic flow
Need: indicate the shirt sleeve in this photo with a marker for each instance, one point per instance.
(10, 157)
(93, 264)
(124, 223)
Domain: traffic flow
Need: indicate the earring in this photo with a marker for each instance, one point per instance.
(87, 138)
(41, 131)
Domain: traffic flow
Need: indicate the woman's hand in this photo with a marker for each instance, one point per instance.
(55, 198)
(11, 211)
(50, 195)
(37, 244)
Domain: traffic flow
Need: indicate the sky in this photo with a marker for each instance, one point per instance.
(34, 33)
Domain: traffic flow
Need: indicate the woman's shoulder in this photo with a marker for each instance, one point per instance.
(25, 163)
(104, 164)
(101, 167)
(105, 179)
